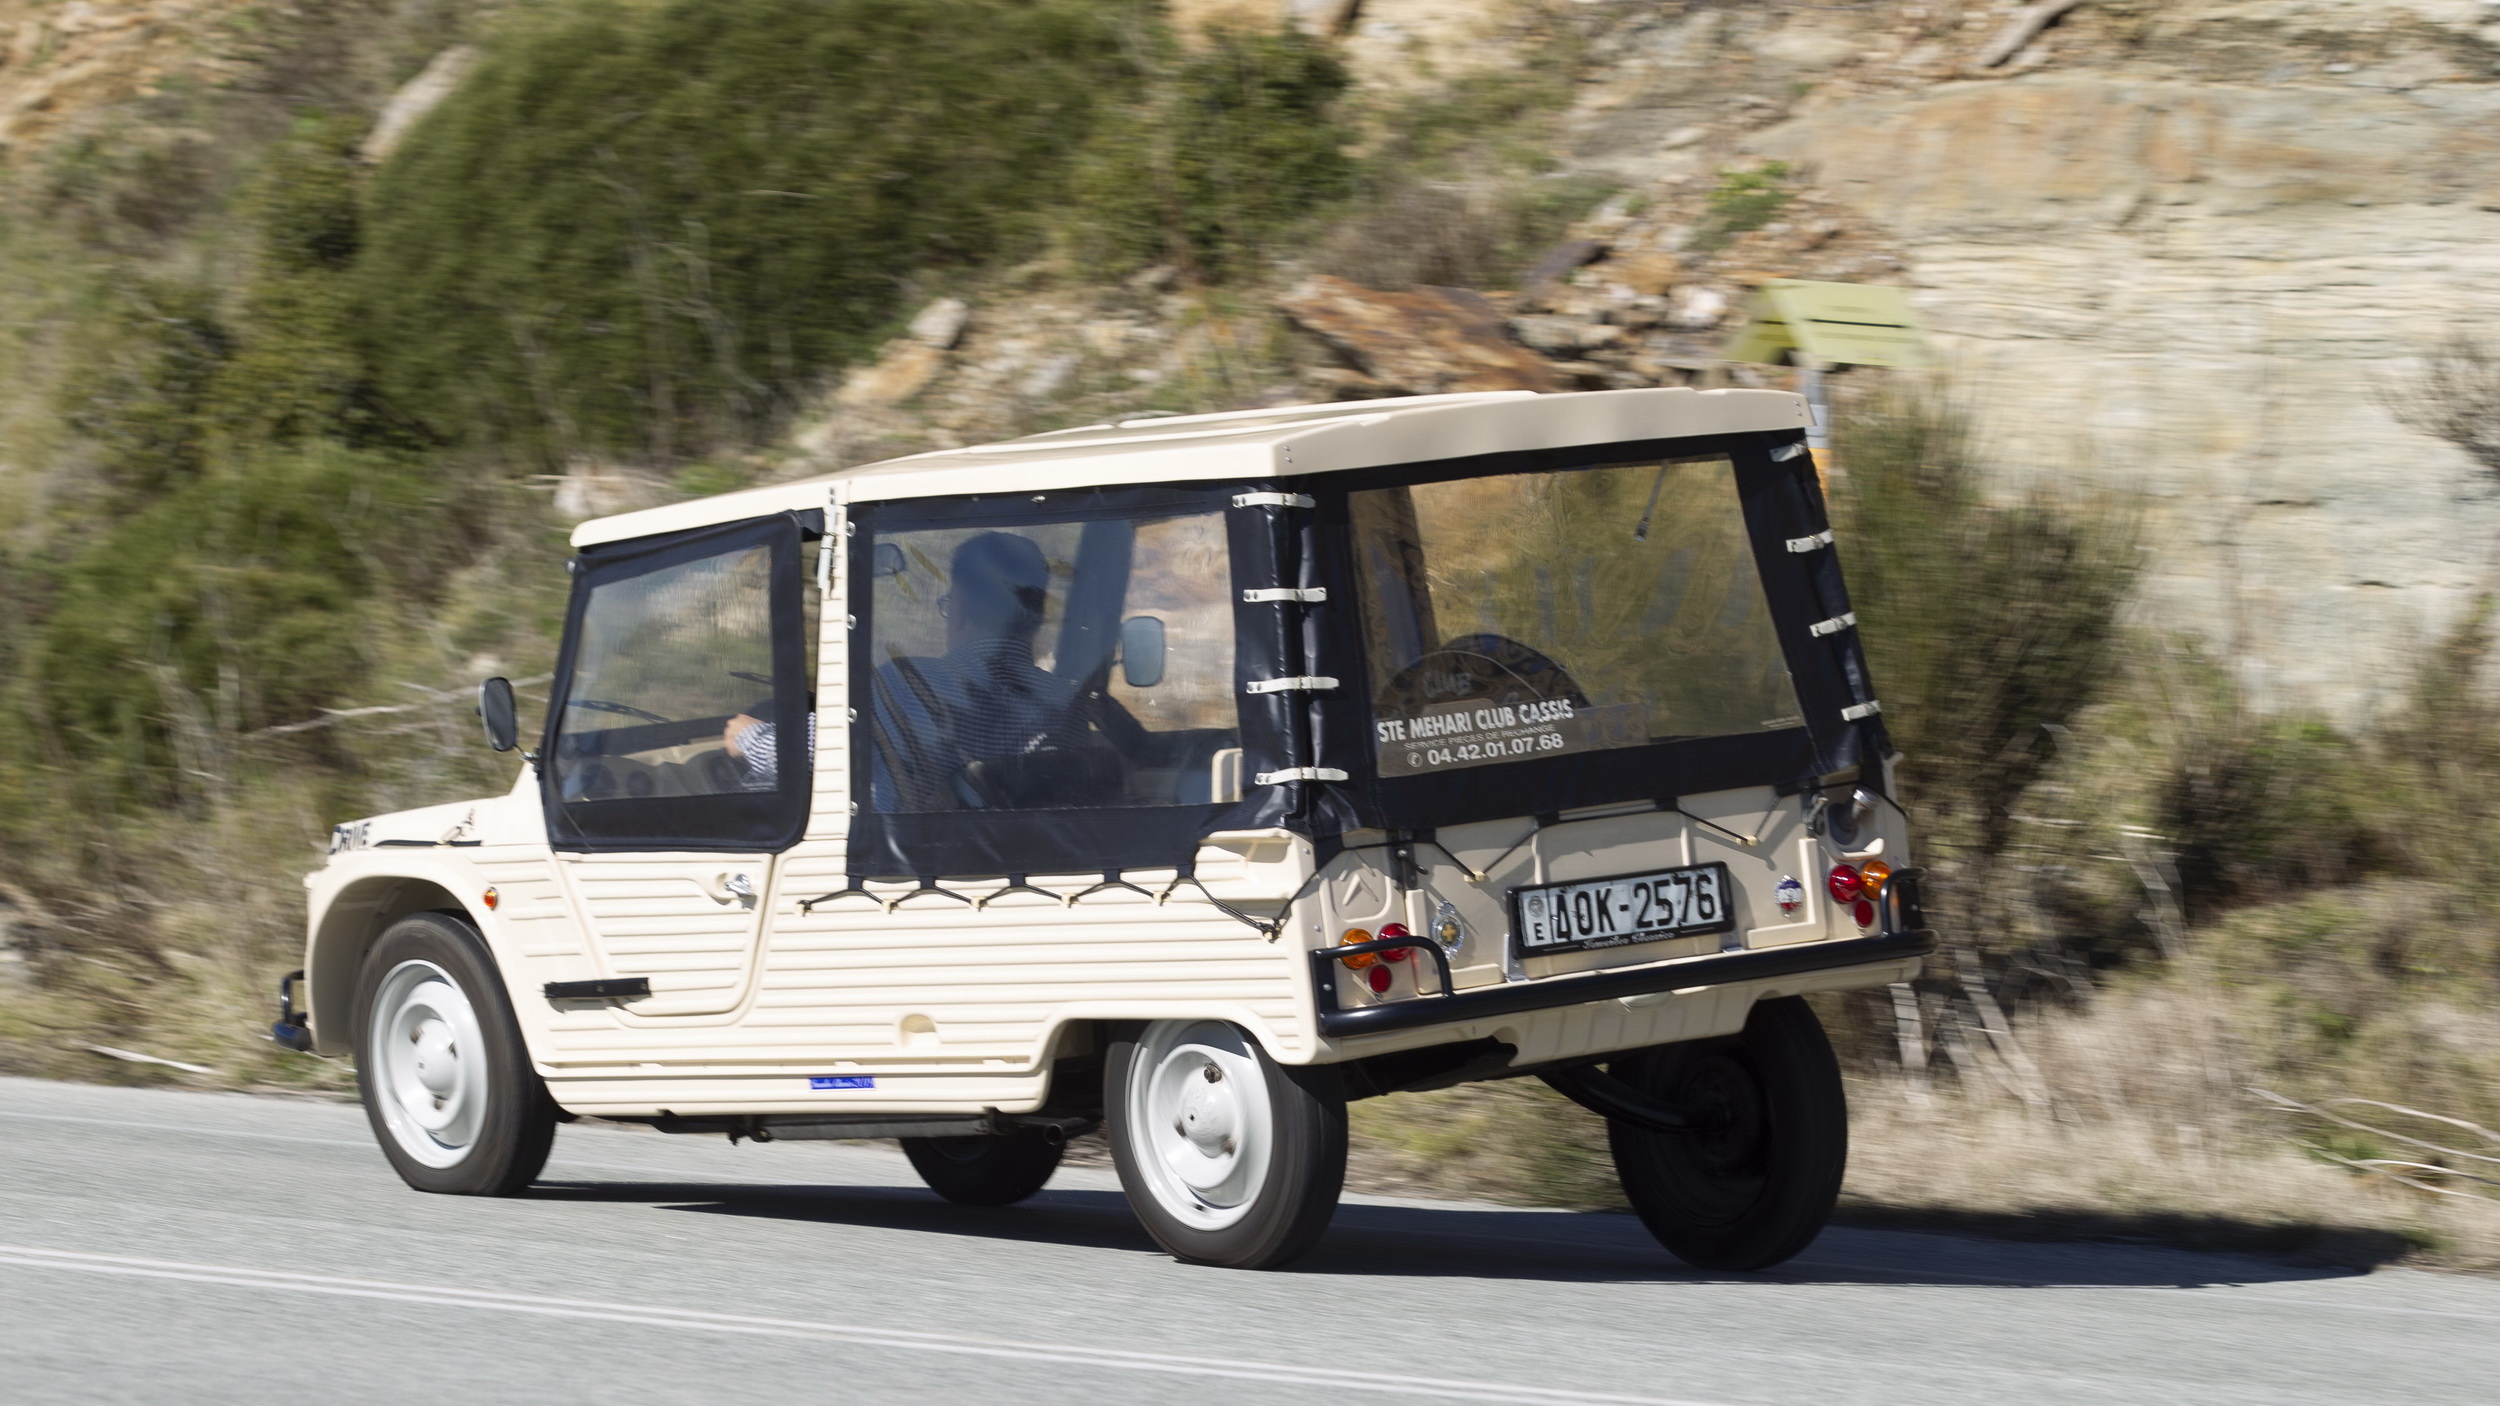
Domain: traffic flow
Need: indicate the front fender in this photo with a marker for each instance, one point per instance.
(350, 903)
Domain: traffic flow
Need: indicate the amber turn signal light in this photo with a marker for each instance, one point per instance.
(1359, 960)
(1874, 876)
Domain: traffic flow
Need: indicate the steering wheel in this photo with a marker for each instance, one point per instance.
(1479, 668)
(601, 705)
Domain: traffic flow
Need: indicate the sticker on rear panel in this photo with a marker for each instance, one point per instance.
(841, 1081)
(1474, 734)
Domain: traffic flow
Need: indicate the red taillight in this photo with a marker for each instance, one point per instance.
(1379, 978)
(1395, 954)
(1846, 885)
(1864, 912)
(1359, 960)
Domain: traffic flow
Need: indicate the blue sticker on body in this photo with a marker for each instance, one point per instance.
(841, 1081)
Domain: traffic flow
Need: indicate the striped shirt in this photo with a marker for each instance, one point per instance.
(759, 749)
(981, 701)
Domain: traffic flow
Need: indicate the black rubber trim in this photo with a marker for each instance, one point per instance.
(623, 988)
(1512, 998)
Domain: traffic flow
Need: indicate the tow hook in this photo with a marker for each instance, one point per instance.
(289, 1030)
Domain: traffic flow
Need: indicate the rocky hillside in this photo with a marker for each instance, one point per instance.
(2179, 249)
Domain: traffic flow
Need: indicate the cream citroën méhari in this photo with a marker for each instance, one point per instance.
(1189, 776)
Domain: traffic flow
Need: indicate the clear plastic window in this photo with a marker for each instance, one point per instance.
(1052, 665)
(672, 685)
(1525, 615)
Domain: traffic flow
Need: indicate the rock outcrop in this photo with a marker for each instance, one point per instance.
(2178, 251)
(1426, 342)
(2202, 294)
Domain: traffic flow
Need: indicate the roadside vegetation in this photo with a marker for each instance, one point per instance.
(2210, 974)
(277, 429)
(280, 423)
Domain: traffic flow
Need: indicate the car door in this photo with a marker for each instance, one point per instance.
(978, 816)
(670, 783)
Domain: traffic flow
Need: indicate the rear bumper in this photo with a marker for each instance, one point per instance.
(1515, 998)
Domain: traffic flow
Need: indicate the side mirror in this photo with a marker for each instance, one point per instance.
(501, 714)
(1141, 651)
(888, 560)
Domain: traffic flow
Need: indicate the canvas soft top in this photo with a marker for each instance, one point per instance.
(1284, 442)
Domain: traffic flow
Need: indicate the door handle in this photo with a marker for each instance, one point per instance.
(727, 887)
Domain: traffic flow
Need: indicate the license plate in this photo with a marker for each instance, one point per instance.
(1629, 908)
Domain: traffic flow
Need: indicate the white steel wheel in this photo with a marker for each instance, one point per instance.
(447, 1083)
(1227, 1157)
(429, 1061)
(1202, 1110)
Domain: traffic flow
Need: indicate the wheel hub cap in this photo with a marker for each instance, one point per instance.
(423, 1062)
(437, 1058)
(1209, 1117)
(1203, 1130)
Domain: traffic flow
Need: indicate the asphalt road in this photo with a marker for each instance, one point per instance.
(177, 1247)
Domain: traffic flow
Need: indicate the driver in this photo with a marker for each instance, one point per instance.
(984, 699)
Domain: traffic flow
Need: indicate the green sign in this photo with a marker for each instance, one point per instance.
(1836, 324)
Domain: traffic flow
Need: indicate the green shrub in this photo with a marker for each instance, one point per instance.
(297, 370)
(648, 229)
(2265, 806)
(1235, 144)
(141, 391)
(1742, 202)
(238, 592)
(1989, 628)
(258, 489)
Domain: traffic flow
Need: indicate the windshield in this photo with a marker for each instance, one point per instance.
(1526, 615)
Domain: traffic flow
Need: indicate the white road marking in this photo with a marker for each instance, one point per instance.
(1281, 1374)
(183, 1128)
(559, 1160)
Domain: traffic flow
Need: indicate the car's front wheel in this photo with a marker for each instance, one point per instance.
(446, 1081)
(1754, 1185)
(1228, 1157)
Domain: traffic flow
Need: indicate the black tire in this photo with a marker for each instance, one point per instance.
(1756, 1190)
(502, 1121)
(1273, 1204)
(984, 1171)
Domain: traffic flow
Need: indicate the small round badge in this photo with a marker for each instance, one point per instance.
(1791, 895)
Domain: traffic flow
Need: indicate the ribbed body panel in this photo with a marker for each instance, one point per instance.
(669, 918)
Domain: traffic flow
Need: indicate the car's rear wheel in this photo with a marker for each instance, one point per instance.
(446, 1081)
(984, 1171)
(1228, 1157)
(1756, 1185)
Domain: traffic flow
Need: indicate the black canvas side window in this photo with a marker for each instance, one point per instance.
(1053, 666)
(682, 718)
(1053, 684)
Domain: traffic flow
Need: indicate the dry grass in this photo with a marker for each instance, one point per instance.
(2142, 1129)
(2149, 1127)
